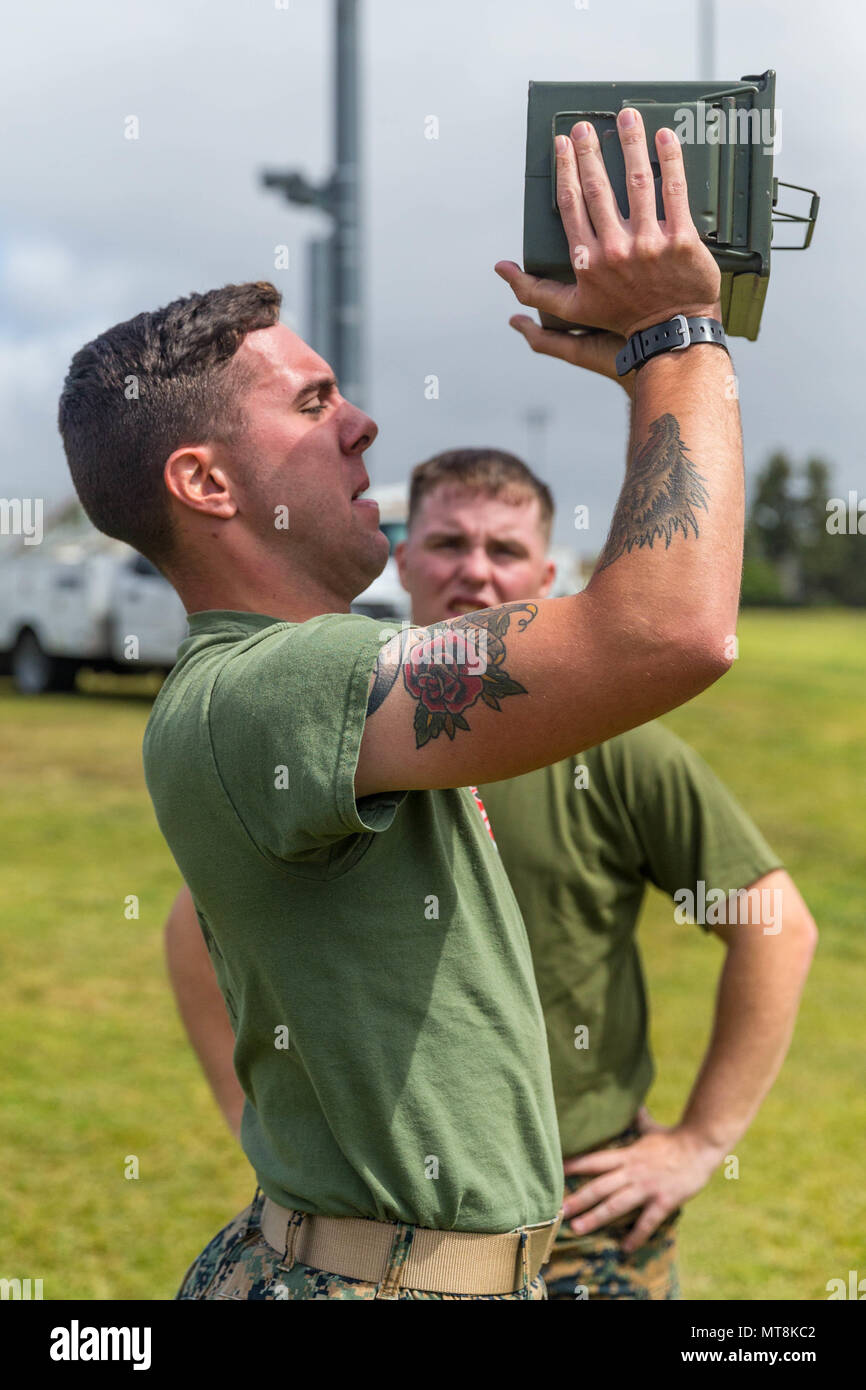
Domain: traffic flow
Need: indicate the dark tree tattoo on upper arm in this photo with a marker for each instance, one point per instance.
(661, 495)
(448, 667)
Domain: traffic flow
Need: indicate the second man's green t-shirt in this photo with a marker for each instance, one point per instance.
(580, 841)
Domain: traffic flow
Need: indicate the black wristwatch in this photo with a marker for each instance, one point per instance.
(670, 336)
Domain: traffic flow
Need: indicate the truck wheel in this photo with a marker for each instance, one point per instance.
(34, 672)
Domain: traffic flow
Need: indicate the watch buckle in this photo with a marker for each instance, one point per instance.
(683, 325)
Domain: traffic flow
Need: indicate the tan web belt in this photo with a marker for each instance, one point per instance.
(438, 1261)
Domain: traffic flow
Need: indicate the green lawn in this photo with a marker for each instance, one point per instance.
(97, 1068)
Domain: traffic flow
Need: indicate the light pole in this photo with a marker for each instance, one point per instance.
(334, 262)
(537, 418)
(707, 39)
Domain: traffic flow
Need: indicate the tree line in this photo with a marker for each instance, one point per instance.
(804, 543)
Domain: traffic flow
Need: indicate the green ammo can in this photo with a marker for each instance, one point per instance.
(729, 132)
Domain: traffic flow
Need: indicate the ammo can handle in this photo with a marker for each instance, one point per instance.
(810, 218)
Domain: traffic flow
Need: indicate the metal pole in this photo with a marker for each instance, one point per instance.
(537, 418)
(320, 288)
(334, 263)
(348, 314)
(707, 39)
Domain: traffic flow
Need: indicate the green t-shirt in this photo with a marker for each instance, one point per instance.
(388, 1031)
(579, 858)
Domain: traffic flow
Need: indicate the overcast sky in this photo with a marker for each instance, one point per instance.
(97, 227)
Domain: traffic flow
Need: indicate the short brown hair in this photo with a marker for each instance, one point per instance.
(491, 471)
(145, 388)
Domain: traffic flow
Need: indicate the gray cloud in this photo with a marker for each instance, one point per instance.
(97, 227)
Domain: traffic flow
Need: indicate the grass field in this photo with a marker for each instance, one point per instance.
(96, 1067)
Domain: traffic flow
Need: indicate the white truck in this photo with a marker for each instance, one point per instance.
(82, 599)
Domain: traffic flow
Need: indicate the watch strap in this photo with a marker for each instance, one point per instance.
(670, 336)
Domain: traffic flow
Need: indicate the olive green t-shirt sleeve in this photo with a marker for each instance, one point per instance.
(689, 826)
(286, 719)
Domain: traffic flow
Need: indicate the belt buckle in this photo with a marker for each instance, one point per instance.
(554, 1232)
(552, 1229)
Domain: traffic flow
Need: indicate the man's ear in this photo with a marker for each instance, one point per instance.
(194, 478)
(548, 577)
(400, 557)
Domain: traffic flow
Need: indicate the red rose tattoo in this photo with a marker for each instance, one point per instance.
(459, 663)
(444, 680)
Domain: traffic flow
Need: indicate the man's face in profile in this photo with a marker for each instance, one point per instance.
(468, 550)
(302, 449)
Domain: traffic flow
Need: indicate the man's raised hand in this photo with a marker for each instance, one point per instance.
(631, 272)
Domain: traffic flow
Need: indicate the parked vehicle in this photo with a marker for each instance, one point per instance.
(84, 600)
